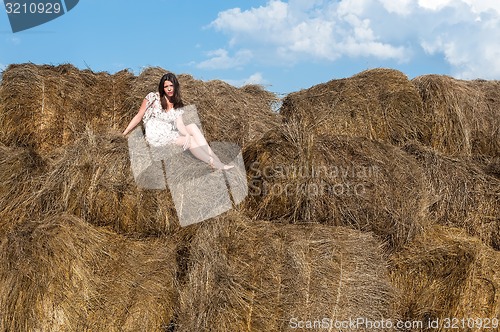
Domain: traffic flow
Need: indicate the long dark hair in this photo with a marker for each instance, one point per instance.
(176, 98)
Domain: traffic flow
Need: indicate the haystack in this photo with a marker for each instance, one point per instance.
(91, 179)
(62, 274)
(467, 197)
(296, 176)
(45, 106)
(227, 113)
(380, 104)
(448, 275)
(465, 115)
(260, 276)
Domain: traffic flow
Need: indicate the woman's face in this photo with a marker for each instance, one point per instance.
(169, 88)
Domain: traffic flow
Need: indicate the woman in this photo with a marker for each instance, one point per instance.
(161, 113)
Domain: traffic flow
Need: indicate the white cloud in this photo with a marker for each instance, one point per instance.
(261, 25)
(15, 40)
(401, 7)
(483, 5)
(255, 78)
(467, 37)
(305, 30)
(220, 59)
(464, 32)
(434, 4)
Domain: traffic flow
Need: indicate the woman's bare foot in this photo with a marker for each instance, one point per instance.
(217, 165)
(227, 167)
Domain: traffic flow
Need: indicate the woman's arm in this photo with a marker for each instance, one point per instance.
(137, 118)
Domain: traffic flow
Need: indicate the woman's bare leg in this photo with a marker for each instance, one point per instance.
(196, 133)
(200, 151)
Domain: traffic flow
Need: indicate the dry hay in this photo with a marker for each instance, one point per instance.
(62, 274)
(466, 196)
(380, 104)
(47, 106)
(465, 115)
(261, 276)
(445, 273)
(490, 165)
(19, 167)
(227, 113)
(336, 180)
(91, 178)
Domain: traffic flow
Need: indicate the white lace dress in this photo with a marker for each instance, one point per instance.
(160, 125)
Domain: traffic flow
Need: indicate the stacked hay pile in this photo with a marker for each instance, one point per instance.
(465, 115)
(62, 274)
(448, 275)
(380, 104)
(466, 196)
(332, 204)
(297, 176)
(261, 276)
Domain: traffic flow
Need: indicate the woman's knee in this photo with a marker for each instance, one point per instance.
(192, 128)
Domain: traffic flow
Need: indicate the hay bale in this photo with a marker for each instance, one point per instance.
(380, 104)
(296, 176)
(446, 273)
(259, 276)
(104, 102)
(19, 167)
(227, 113)
(19, 123)
(62, 102)
(467, 197)
(62, 274)
(465, 115)
(91, 179)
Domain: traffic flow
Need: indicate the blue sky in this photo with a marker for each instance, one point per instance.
(283, 45)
